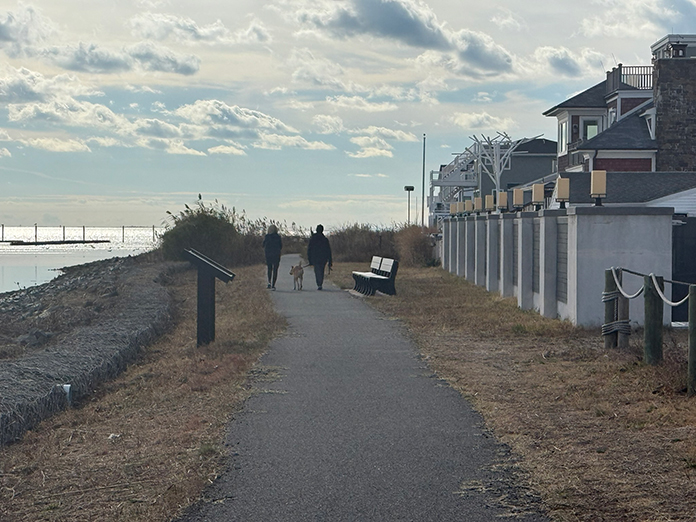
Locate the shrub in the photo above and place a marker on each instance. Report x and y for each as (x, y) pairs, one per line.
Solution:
(414, 247)
(223, 234)
(359, 242)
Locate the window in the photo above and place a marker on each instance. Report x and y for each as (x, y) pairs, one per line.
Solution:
(563, 137)
(590, 128)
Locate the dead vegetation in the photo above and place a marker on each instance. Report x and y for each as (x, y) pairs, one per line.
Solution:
(144, 445)
(602, 436)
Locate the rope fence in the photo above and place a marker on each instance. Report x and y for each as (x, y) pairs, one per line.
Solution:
(617, 326)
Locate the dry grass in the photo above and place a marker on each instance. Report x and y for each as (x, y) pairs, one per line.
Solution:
(146, 444)
(602, 436)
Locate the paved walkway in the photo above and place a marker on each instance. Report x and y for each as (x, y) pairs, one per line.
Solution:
(354, 427)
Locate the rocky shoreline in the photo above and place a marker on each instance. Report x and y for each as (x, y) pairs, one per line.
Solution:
(79, 329)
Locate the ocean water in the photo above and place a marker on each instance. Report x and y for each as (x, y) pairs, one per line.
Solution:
(22, 266)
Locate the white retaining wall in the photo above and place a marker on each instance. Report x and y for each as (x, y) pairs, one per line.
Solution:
(556, 276)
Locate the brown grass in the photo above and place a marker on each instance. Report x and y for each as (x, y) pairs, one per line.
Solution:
(602, 436)
(146, 444)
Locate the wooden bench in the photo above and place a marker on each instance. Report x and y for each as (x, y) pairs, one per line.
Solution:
(380, 277)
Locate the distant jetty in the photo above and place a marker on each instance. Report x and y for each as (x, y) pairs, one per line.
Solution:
(57, 242)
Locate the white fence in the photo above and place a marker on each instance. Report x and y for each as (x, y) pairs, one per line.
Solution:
(554, 260)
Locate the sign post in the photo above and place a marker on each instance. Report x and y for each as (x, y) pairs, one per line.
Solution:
(208, 271)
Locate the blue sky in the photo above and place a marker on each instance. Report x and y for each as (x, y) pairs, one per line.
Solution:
(112, 113)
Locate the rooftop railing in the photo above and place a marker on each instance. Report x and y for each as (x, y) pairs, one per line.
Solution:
(636, 76)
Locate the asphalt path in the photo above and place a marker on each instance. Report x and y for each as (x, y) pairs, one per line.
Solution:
(347, 423)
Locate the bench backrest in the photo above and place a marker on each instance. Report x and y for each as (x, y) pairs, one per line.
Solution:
(376, 262)
(386, 266)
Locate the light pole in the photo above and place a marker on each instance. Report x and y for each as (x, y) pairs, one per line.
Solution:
(409, 189)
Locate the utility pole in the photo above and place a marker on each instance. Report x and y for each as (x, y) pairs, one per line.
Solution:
(423, 190)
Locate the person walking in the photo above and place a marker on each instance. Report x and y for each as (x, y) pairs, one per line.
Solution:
(319, 254)
(272, 245)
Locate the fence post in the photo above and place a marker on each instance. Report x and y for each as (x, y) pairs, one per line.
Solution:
(623, 315)
(691, 378)
(610, 339)
(652, 337)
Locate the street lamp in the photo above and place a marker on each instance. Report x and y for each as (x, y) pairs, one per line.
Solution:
(409, 189)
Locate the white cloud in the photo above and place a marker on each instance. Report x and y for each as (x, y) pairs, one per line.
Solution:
(230, 121)
(562, 61)
(315, 71)
(57, 145)
(482, 97)
(481, 120)
(631, 19)
(507, 20)
(4, 153)
(23, 30)
(278, 141)
(387, 134)
(142, 88)
(360, 103)
(159, 26)
(328, 124)
(22, 85)
(371, 146)
(233, 150)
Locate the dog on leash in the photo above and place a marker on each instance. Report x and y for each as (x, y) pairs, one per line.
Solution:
(297, 272)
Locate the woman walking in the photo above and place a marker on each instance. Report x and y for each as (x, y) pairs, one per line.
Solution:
(272, 245)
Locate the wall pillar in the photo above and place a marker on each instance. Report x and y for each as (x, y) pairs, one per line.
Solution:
(548, 262)
(480, 255)
(505, 252)
(525, 253)
(492, 257)
(461, 247)
(470, 249)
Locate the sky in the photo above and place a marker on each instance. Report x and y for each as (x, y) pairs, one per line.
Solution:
(305, 111)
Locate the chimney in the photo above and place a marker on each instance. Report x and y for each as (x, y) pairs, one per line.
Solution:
(674, 92)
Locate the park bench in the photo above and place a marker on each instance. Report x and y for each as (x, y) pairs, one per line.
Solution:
(380, 277)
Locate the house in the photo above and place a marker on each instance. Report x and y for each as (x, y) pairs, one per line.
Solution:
(639, 119)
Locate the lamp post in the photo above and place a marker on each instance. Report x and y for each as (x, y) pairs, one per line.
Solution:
(409, 189)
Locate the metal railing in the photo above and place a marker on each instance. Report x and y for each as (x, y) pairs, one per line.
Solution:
(636, 76)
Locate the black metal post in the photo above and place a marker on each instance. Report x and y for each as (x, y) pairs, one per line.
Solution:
(206, 306)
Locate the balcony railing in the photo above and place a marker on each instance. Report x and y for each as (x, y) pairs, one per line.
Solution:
(637, 76)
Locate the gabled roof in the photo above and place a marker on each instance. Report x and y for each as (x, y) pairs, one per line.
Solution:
(538, 146)
(631, 187)
(629, 133)
(591, 98)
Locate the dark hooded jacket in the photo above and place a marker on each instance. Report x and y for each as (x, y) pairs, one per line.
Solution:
(319, 249)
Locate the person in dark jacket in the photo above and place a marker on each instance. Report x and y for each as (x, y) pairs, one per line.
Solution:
(272, 245)
(319, 254)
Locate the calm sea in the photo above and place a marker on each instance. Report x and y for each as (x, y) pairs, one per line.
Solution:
(28, 265)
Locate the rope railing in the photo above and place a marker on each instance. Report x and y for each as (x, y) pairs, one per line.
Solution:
(616, 327)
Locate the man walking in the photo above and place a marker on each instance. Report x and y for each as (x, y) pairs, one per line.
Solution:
(319, 254)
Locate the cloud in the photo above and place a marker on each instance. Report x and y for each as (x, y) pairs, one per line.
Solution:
(315, 71)
(562, 61)
(231, 120)
(413, 23)
(159, 26)
(142, 88)
(4, 153)
(482, 97)
(233, 150)
(371, 146)
(631, 19)
(22, 85)
(359, 103)
(387, 134)
(278, 141)
(146, 56)
(25, 29)
(57, 145)
(328, 124)
(481, 120)
(408, 21)
(509, 21)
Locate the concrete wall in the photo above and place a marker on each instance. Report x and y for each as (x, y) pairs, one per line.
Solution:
(640, 239)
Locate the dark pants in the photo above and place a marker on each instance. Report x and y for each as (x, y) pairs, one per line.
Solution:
(319, 273)
(272, 271)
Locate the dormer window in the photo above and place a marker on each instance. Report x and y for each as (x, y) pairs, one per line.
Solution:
(590, 128)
